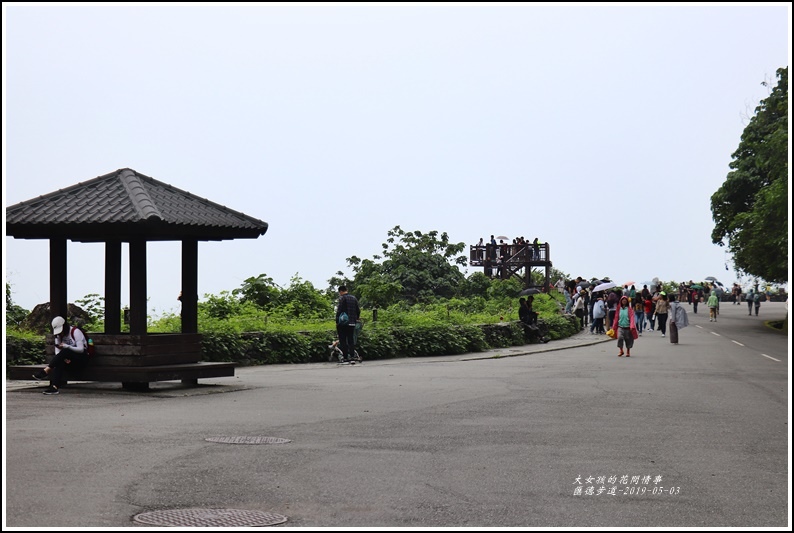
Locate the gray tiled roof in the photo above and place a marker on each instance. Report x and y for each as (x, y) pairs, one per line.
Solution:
(125, 205)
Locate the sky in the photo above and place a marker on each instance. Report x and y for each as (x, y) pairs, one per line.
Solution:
(600, 129)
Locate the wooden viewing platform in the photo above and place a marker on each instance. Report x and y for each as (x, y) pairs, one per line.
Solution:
(504, 261)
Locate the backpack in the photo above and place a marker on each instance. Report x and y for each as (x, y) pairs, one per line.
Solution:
(757, 298)
(89, 343)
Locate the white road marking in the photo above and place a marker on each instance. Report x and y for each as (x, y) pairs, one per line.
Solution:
(717, 334)
(772, 358)
(739, 343)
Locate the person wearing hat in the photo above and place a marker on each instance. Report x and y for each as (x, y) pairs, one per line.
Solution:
(70, 349)
(662, 310)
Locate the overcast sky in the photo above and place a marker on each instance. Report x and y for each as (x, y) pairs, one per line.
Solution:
(601, 129)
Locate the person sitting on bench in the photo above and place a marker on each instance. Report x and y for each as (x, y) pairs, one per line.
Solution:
(70, 349)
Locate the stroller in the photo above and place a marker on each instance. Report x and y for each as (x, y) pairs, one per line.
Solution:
(335, 353)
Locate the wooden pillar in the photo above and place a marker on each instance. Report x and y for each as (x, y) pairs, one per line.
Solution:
(138, 287)
(113, 287)
(58, 304)
(548, 267)
(189, 286)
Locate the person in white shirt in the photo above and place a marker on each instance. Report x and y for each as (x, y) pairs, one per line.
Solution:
(70, 349)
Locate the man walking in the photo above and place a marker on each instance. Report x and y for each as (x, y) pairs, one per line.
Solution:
(347, 313)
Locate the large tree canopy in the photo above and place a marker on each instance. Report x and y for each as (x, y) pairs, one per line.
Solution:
(751, 208)
(416, 267)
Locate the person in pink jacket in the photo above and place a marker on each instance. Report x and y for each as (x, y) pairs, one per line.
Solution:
(625, 326)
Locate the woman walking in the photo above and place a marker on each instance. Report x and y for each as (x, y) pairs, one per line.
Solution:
(678, 319)
(662, 310)
(612, 306)
(599, 312)
(625, 326)
(649, 310)
(639, 314)
(579, 308)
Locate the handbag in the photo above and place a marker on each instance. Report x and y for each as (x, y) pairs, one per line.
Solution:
(344, 320)
(611, 333)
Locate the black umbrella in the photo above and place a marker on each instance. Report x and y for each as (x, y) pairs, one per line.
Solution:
(528, 292)
(584, 284)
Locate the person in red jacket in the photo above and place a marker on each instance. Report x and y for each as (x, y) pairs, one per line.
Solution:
(625, 326)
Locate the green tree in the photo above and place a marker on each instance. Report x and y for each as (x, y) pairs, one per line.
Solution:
(223, 306)
(423, 265)
(94, 305)
(261, 291)
(302, 300)
(477, 284)
(14, 313)
(750, 209)
(377, 290)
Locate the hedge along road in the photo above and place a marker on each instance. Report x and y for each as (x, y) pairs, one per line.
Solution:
(689, 435)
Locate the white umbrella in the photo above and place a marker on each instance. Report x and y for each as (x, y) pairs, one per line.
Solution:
(604, 286)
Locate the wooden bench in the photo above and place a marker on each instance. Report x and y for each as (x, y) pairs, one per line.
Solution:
(137, 360)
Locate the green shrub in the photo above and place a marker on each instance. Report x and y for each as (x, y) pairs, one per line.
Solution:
(25, 349)
(561, 326)
(377, 343)
(419, 331)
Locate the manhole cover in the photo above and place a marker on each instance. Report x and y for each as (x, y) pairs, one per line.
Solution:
(209, 518)
(248, 440)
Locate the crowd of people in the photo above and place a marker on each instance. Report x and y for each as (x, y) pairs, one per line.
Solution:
(625, 312)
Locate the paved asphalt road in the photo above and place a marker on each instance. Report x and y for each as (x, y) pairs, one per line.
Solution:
(559, 435)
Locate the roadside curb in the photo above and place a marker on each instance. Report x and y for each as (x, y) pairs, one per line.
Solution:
(543, 348)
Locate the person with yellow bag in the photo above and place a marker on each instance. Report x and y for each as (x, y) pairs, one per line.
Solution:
(625, 326)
